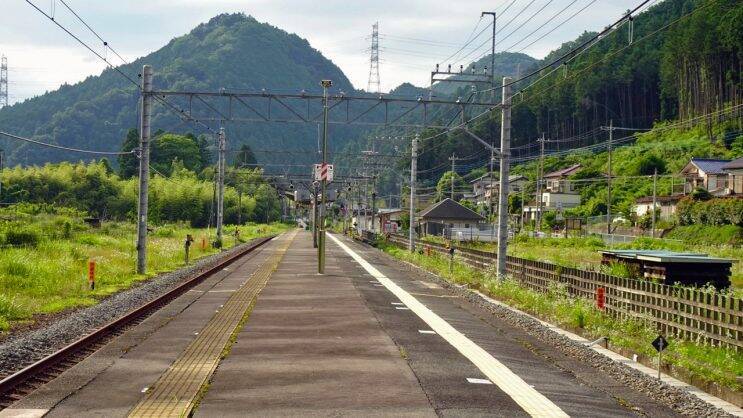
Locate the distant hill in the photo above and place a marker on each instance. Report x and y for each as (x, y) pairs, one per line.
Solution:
(230, 51)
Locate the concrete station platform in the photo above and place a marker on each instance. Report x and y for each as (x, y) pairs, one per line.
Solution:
(368, 338)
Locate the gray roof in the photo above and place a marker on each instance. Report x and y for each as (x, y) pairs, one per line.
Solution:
(663, 256)
(710, 165)
(564, 172)
(511, 178)
(734, 165)
(449, 209)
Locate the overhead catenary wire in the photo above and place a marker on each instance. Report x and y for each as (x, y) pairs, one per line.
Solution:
(498, 31)
(545, 24)
(116, 68)
(572, 51)
(105, 44)
(83, 151)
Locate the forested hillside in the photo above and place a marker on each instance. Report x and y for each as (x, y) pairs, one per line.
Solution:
(684, 61)
(230, 51)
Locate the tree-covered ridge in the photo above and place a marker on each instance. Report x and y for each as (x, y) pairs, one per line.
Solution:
(635, 85)
(230, 51)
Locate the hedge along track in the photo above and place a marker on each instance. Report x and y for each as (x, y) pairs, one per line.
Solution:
(177, 390)
(28, 379)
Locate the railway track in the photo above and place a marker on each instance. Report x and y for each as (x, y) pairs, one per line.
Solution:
(28, 379)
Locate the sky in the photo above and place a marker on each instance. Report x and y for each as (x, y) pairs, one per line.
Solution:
(414, 34)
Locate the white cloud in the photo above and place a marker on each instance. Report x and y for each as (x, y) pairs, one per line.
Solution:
(337, 28)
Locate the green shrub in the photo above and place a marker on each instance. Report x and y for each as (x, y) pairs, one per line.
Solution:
(708, 235)
(22, 237)
(164, 232)
(721, 211)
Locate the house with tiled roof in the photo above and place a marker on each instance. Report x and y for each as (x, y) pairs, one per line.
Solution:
(734, 169)
(447, 214)
(558, 193)
(485, 185)
(706, 173)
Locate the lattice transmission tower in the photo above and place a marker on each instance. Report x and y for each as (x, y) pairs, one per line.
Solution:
(3, 81)
(374, 84)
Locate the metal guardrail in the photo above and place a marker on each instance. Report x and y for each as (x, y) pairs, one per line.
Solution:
(686, 313)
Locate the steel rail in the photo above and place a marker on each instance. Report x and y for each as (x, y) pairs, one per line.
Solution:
(26, 380)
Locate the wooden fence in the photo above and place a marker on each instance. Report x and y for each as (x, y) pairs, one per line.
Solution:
(686, 313)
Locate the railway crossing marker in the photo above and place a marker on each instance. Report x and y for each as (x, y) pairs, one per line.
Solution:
(659, 344)
(324, 172)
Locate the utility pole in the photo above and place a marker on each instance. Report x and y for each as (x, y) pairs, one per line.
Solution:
(144, 168)
(505, 154)
(2, 156)
(655, 198)
(374, 202)
(326, 84)
(314, 214)
(240, 207)
(522, 209)
(4, 81)
(453, 158)
(492, 60)
(608, 179)
(540, 180)
(220, 185)
(413, 179)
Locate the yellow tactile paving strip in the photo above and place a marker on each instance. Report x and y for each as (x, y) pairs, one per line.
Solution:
(174, 393)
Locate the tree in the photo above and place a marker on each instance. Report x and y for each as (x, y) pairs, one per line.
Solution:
(648, 164)
(245, 157)
(168, 147)
(443, 187)
(204, 152)
(128, 163)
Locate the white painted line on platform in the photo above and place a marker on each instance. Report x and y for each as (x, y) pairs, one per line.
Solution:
(533, 402)
(23, 413)
(402, 308)
(426, 331)
(479, 381)
(397, 303)
(704, 396)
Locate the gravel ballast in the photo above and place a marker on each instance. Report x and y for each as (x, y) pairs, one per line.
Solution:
(24, 348)
(678, 399)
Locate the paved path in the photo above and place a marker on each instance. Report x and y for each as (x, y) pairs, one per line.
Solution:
(369, 338)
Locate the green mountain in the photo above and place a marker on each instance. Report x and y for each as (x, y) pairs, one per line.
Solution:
(231, 51)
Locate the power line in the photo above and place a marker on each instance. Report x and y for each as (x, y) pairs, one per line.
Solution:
(467, 43)
(524, 22)
(497, 32)
(570, 54)
(105, 44)
(547, 22)
(115, 68)
(84, 151)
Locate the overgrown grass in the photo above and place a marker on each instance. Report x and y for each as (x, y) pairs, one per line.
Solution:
(713, 364)
(48, 273)
(583, 252)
